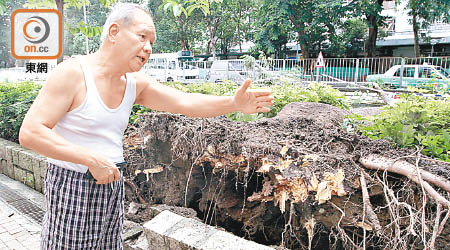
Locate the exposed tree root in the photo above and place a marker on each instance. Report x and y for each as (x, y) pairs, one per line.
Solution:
(368, 207)
(134, 188)
(293, 180)
(377, 162)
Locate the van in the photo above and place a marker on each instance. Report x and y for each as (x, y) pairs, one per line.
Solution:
(169, 67)
(232, 70)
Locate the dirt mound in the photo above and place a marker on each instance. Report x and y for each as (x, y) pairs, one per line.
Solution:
(295, 179)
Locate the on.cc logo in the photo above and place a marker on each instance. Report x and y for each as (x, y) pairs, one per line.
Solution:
(36, 34)
(36, 29)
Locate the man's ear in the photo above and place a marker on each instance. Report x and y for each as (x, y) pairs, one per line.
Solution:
(113, 31)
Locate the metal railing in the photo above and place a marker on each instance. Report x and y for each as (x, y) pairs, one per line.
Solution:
(337, 71)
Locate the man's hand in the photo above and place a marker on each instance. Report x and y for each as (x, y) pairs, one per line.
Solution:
(252, 101)
(103, 170)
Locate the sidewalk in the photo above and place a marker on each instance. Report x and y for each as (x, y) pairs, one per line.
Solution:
(21, 210)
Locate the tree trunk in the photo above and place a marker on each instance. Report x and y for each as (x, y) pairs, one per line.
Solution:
(301, 32)
(372, 40)
(60, 6)
(181, 31)
(373, 32)
(416, 33)
(239, 27)
(212, 42)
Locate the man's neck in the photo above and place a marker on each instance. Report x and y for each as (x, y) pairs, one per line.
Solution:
(106, 66)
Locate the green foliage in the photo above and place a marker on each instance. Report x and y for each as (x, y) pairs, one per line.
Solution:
(79, 44)
(89, 31)
(15, 100)
(415, 121)
(2, 6)
(354, 36)
(136, 114)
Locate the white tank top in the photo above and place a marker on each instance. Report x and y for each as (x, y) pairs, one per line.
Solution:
(95, 126)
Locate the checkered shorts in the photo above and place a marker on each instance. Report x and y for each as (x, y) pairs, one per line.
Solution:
(80, 213)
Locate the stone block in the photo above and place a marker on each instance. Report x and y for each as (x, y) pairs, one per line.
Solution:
(3, 167)
(225, 240)
(43, 186)
(43, 165)
(171, 231)
(25, 160)
(36, 174)
(189, 234)
(2, 151)
(8, 153)
(19, 174)
(10, 169)
(15, 156)
(155, 228)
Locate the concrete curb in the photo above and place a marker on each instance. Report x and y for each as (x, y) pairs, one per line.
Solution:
(171, 231)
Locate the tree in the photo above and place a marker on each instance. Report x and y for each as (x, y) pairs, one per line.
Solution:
(175, 32)
(424, 13)
(354, 36)
(313, 23)
(209, 8)
(236, 27)
(371, 10)
(177, 7)
(273, 27)
(79, 45)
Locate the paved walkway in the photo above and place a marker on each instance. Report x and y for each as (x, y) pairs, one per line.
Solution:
(18, 231)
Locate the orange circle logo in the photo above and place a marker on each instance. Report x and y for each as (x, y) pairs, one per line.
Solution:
(36, 29)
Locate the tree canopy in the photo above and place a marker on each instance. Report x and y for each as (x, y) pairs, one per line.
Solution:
(337, 28)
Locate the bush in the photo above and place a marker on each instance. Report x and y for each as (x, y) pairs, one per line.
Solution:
(415, 121)
(15, 100)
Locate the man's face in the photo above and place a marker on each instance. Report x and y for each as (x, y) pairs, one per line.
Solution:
(135, 41)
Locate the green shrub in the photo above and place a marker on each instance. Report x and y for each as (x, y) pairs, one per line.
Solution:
(15, 100)
(415, 121)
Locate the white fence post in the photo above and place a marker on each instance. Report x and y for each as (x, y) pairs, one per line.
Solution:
(356, 71)
(402, 68)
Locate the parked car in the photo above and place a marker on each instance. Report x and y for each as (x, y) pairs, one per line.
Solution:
(232, 70)
(414, 76)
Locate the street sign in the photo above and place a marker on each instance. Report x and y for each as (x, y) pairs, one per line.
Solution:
(320, 63)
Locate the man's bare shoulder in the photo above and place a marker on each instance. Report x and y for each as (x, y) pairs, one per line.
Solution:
(143, 80)
(67, 73)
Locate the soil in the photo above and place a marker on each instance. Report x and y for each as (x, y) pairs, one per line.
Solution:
(292, 180)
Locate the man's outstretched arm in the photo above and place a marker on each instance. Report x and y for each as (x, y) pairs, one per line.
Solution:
(163, 98)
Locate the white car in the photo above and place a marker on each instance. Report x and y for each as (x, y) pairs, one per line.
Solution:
(414, 75)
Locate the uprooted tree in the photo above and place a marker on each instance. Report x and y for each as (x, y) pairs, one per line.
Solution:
(297, 180)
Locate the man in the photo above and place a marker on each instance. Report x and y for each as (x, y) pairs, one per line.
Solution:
(78, 120)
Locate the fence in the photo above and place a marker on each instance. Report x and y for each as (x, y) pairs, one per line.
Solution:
(337, 71)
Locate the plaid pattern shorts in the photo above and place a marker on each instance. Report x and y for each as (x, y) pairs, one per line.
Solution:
(80, 213)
